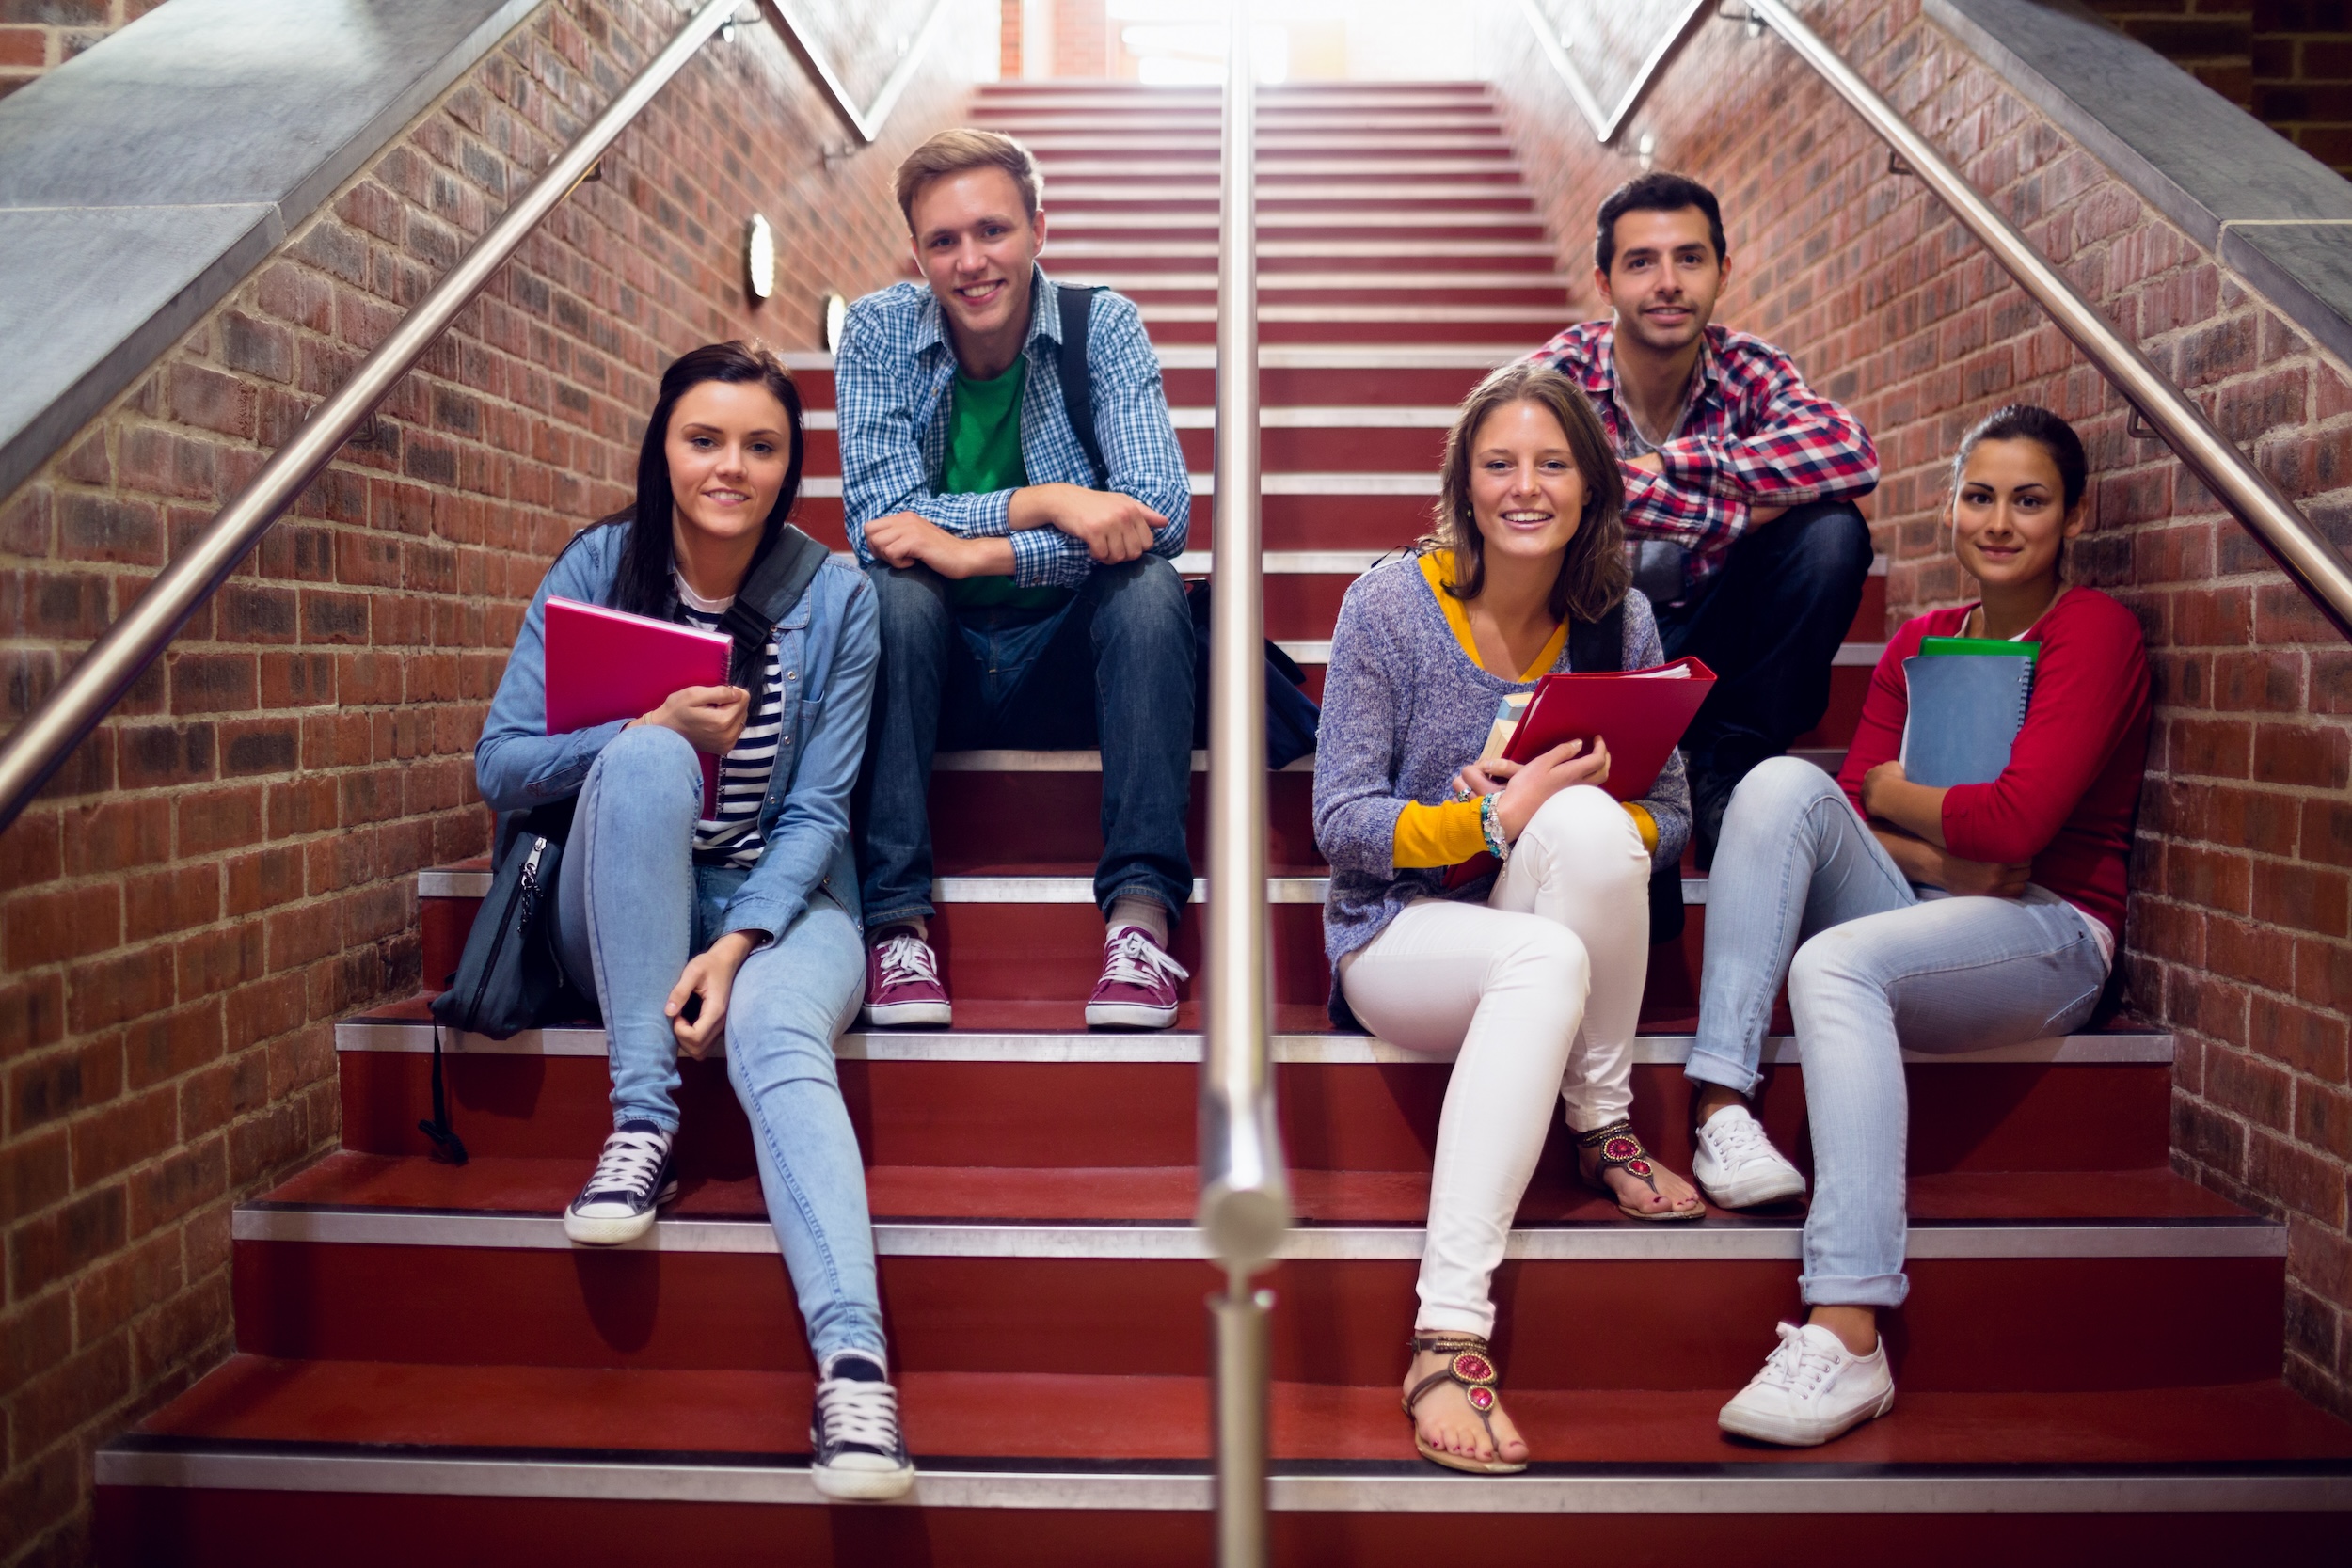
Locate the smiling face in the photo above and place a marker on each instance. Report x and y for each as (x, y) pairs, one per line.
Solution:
(2009, 516)
(1665, 277)
(1527, 495)
(977, 244)
(729, 448)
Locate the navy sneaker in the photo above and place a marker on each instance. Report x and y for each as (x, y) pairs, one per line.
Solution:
(859, 1454)
(635, 1178)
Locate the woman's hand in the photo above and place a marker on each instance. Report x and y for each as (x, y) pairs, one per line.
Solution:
(1932, 865)
(1527, 785)
(711, 717)
(1916, 809)
(710, 975)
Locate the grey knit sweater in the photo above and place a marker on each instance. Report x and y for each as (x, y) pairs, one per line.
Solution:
(1403, 710)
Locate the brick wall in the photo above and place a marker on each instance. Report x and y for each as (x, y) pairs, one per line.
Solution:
(2288, 61)
(2237, 937)
(225, 867)
(38, 35)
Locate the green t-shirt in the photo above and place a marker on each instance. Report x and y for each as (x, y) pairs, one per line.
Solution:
(984, 456)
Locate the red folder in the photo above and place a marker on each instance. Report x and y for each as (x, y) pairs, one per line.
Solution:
(605, 664)
(1640, 714)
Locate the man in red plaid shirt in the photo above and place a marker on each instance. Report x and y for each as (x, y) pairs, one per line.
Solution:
(1740, 484)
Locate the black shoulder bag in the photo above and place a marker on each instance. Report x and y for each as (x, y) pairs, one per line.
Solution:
(1292, 717)
(1597, 645)
(510, 977)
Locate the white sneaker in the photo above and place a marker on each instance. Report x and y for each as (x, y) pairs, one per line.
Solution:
(634, 1177)
(1812, 1388)
(1737, 1163)
(858, 1453)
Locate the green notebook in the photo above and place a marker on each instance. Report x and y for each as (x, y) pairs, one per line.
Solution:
(1930, 647)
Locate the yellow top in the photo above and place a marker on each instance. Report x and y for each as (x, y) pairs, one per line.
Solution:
(1447, 833)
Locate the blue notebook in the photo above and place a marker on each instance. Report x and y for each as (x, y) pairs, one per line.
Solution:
(1965, 713)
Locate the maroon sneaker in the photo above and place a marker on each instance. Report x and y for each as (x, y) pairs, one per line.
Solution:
(902, 981)
(1138, 989)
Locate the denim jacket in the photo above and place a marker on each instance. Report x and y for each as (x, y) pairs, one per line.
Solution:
(830, 644)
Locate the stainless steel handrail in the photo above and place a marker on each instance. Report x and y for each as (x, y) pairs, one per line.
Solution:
(1245, 1193)
(37, 747)
(1606, 120)
(2314, 565)
(867, 122)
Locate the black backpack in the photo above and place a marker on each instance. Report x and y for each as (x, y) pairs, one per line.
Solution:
(510, 977)
(1292, 717)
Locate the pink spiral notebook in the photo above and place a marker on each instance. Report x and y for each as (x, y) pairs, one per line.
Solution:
(607, 664)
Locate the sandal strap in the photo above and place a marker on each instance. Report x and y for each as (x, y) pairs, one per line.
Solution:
(1617, 1145)
(1469, 1367)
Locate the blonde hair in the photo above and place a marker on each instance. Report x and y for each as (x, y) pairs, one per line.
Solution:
(965, 148)
(1593, 575)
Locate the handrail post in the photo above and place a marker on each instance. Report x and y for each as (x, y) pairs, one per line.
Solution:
(1245, 1200)
(2307, 557)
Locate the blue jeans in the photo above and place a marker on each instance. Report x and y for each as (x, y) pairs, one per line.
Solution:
(631, 908)
(1769, 624)
(1885, 967)
(1111, 668)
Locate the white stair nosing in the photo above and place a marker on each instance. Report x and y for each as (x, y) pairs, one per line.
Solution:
(1772, 1488)
(1716, 1239)
(992, 761)
(1128, 282)
(413, 1037)
(1291, 356)
(1538, 316)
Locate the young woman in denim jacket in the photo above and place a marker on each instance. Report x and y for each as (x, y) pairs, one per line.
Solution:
(743, 924)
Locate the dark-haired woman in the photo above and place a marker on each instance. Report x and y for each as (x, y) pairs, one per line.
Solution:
(1912, 918)
(742, 922)
(1533, 973)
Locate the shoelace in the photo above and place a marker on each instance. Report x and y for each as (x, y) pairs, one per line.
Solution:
(1798, 1363)
(1740, 1139)
(907, 959)
(849, 1411)
(1135, 959)
(630, 1163)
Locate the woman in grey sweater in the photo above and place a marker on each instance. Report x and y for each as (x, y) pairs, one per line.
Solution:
(1532, 971)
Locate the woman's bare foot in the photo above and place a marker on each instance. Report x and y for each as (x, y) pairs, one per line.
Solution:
(1672, 1193)
(1447, 1422)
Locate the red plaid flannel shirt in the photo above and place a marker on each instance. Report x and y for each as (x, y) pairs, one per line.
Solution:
(1754, 435)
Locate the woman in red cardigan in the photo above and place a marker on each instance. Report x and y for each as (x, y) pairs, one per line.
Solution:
(1906, 917)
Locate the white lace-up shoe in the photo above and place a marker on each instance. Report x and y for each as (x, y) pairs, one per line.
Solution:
(1812, 1388)
(858, 1454)
(634, 1178)
(1737, 1163)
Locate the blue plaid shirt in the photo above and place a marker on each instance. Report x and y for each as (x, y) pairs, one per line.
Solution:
(891, 381)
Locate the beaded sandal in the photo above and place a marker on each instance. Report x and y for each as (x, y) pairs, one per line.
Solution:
(1616, 1146)
(1475, 1372)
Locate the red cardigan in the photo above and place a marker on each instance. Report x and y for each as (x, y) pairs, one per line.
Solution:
(2066, 800)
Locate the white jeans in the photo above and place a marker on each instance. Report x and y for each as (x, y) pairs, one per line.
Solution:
(1540, 990)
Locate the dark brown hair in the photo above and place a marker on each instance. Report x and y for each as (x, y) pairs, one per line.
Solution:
(1592, 576)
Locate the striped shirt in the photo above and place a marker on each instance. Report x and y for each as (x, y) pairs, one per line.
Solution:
(891, 384)
(743, 772)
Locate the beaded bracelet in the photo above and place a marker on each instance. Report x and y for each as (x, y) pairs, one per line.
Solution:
(1490, 826)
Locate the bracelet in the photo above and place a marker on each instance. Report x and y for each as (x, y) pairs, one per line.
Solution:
(1490, 826)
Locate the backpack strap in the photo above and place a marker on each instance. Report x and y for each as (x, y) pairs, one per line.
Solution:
(1077, 380)
(1598, 645)
(776, 581)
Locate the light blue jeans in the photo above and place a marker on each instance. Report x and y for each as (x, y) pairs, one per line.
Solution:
(1884, 967)
(631, 906)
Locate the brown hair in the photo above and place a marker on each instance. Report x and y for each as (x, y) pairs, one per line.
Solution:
(1593, 575)
(965, 148)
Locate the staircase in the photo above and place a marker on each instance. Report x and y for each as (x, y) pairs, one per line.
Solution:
(2089, 1362)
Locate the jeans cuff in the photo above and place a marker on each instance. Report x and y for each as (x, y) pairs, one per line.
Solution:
(666, 1117)
(1868, 1290)
(1707, 1066)
(906, 915)
(1142, 888)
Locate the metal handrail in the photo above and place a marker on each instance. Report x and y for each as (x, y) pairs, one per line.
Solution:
(1245, 1192)
(2313, 564)
(37, 747)
(867, 122)
(1605, 120)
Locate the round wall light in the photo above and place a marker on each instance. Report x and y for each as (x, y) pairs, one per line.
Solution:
(759, 257)
(837, 317)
